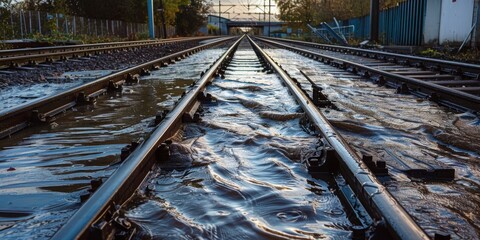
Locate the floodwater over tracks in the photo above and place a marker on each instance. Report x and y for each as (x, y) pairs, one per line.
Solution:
(408, 133)
(236, 174)
(44, 170)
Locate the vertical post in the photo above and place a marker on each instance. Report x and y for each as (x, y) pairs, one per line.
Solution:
(30, 21)
(39, 23)
(151, 26)
(66, 24)
(74, 26)
(21, 23)
(374, 14)
(269, 13)
(219, 17)
(56, 22)
(162, 14)
(11, 24)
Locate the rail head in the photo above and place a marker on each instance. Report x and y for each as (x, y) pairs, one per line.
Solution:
(26, 51)
(125, 180)
(375, 197)
(466, 67)
(8, 57)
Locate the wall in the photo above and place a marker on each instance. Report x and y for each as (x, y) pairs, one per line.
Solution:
(432, 22)
(213, 20)
(400, 25)
(417, 22)
(476, 18)
(456, 20)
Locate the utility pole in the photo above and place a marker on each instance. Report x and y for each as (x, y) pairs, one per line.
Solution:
(374, 15)
(269, 13)
(264, 10)
(151, 26)
(162, 16)
(219, 17)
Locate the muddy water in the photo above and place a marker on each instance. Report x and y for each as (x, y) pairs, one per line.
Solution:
(44, 170)
(236, 174)
(408, 133)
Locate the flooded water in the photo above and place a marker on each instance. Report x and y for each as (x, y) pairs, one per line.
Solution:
(22, 94)
(408, 133)
(44, 170)
(237, 173)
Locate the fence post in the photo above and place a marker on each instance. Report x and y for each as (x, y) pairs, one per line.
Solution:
(66, 23)
(74, 27)
(11, 24)
(21, 24)
(39, 23)
(374, 14)
(56, 20)
(30, 21)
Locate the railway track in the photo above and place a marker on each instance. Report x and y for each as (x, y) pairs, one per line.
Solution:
(102, 215)
(30, 57)
(106, 210)
(45, 110)
(452, 84)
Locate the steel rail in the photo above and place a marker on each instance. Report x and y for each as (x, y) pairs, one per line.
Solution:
(28, 51)
(119, 187)
(444, 95)
(19, 117)
(374, 196)
(19, 56)
(464, 67)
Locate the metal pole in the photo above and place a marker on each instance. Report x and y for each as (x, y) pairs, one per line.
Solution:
(39, 23)
(151, 26)
(269, 13)
(374, 15)
(219, 16)
(264, 9)
(30, 21)
(74, 26)
(21, 23)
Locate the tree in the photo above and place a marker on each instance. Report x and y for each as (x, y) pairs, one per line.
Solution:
(191, 17)
(301, 12)
(5, 26)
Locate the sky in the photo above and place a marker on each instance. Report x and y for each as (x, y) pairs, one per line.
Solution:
(244, 9)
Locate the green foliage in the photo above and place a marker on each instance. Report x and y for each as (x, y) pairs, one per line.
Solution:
(470, 55)
(5, 26)
(431, 53)
(190, 17)
(188, 14)
(301, 12)
(212, 29)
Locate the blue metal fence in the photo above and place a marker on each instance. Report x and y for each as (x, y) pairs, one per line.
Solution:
(400, 25)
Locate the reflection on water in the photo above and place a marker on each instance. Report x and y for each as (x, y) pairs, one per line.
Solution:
(45, 169)
(237, 173)
(407, 133)
(15, 95)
